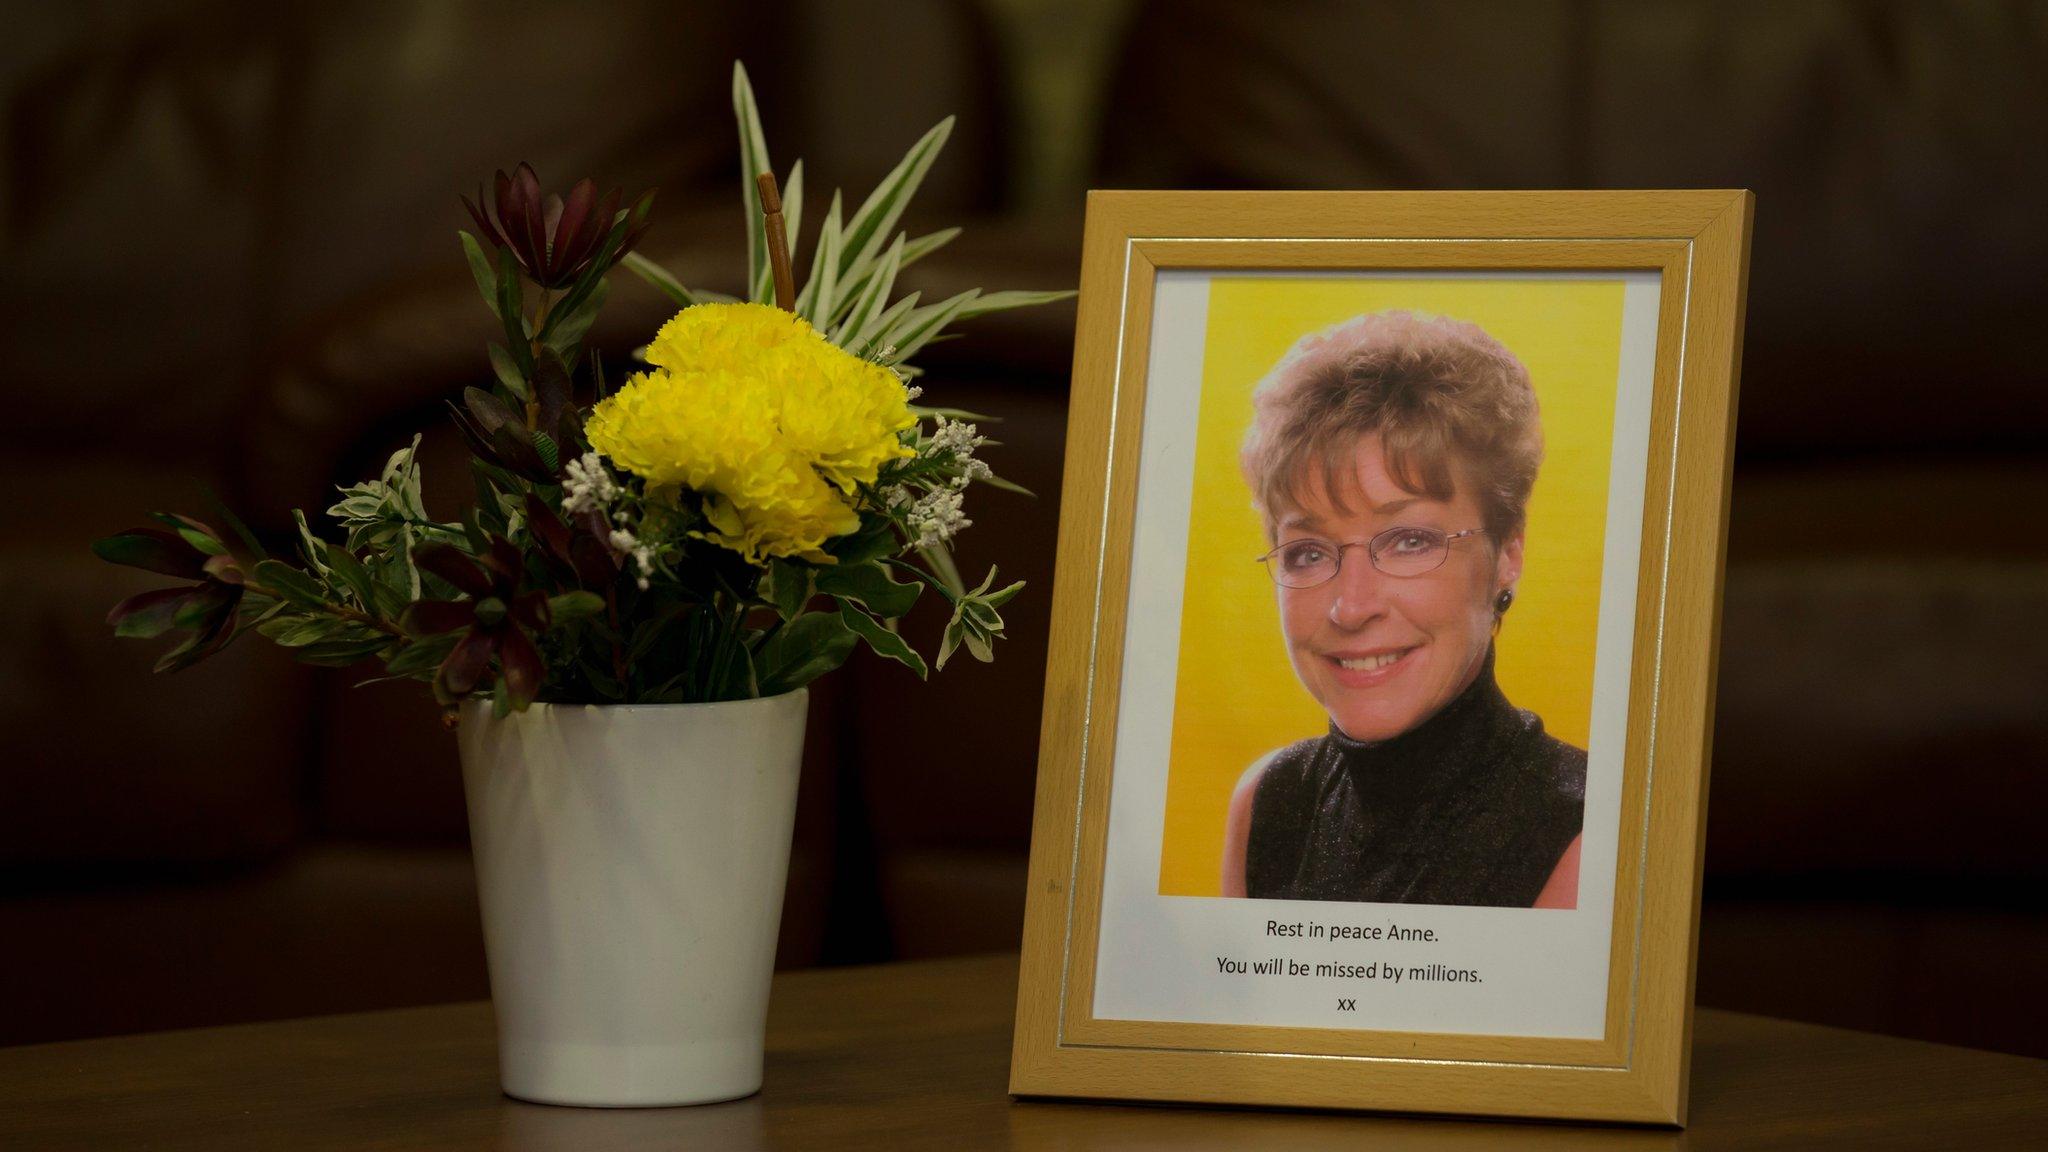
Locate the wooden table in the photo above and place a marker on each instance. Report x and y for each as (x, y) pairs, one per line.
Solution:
(912, 1056)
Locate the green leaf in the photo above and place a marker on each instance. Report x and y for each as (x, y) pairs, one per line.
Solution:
(151, 553)
(803, 650)
(999, 598)
(311, 547)
(662, 281)
(1003, 301)
(868, 343)
(995, 481)
(872, 298)
(340, 653)
(290, 584)
(753, 162)
(787, 586)
(875, 540)
(570, 606)
(792, 194)
(206, 543)
(149, 614)
(566, 335)
(421, 658)
(924, 413)
(955, 631)
(299, 631)
(591, 280)
(979, 611)
(917, 329)
(507, 372)
(550, 454)
(927, 244)
(978, 646)
(404, 574)
(480, 268)
(884, 206)
(941, 559)
(881, 639)
(870, 586)
(511, 311)
(472, 522)
(344, 564)
(740, 680)
(820, 295)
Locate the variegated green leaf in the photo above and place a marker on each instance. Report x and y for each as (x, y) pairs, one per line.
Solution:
(880, 638)
(507, 372)
(869, 342)
(753, 162)
(873, 297)
(918, 328)
(662, 281)
(481, 268)
(821, 289)
(1003, 301)
(923, 246)
(869, 228)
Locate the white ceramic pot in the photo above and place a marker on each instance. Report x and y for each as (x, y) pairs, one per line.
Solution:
(630, 862)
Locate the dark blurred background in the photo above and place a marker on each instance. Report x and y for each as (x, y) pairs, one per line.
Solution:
(230, 263)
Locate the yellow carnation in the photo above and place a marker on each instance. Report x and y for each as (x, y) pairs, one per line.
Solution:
(754, 409)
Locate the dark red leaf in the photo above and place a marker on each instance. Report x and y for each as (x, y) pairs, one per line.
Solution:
(503, 560)
(521, 665)
(470, 432)
(549, 529)
(178, 519)
(580, 230)
(467, 664)
(148, 614)
(214, 631)
(451, 564)
(153, 550)
(427, 617)
(530, 610)
(490, 412)
(528, 225)
(552, 391)
(513, 447)
(224, 569)
(487, 229)
(595, 567)
(637, 221)
(204, 603)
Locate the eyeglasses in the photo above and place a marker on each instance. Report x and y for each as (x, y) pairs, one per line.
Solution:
(1396, 552)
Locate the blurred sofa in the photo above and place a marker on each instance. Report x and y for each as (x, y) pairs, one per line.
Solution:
(230, 262)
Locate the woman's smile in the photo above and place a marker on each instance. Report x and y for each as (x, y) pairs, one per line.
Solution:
(1384, 652)
(1369, 669)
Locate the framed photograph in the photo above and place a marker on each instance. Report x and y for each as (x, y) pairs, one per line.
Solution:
(1374, 755)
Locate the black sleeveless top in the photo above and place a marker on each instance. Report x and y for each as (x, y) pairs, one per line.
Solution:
(1473, 806)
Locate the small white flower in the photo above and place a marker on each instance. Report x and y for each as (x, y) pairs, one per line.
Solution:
(970, 471)
(936, 517)
(626, 544)
(586, 486)
(956, 437)
(912, 391)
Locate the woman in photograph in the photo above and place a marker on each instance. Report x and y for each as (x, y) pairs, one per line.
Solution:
(1391, 460)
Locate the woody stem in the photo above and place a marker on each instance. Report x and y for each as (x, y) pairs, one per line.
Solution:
(778, 242)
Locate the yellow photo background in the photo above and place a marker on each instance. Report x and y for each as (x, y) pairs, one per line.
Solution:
(1236, 697)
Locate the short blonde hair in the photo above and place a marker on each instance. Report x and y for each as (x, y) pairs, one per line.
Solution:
(1436, 391)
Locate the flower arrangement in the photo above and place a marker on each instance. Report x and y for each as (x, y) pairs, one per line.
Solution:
(728, 522)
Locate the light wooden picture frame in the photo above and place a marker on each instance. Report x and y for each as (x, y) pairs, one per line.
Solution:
(1110, 1002)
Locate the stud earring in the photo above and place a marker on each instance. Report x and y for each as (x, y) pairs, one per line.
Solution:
(1501, 602)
